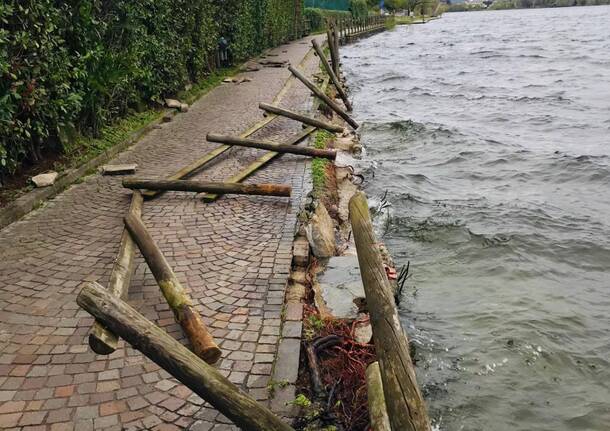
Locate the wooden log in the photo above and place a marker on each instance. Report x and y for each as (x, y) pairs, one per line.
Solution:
(300, 117)
(177, 360)
(101, 340)
(257, 164)
(268, 157)
(207, 187)
(376, 400)
(336, 47)
(198, 164)
(176, 296)
(331, 46)
(332, 75)
(405, 404)
(272, 146)
(320, 94)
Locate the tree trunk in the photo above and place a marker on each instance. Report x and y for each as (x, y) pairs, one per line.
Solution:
(176, 296)
(173, 357)
(405, 405)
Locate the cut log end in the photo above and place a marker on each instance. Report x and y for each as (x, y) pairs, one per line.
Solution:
(102, 341)
(202, 343)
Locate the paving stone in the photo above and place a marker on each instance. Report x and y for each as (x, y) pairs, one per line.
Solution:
(292, 329)
(294, 311)
(286, 366)
(9, 420)
(281, 402)
(201, 426)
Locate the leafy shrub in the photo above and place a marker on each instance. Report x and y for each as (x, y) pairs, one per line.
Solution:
(78, 65)
(359, 8)
(317, 17)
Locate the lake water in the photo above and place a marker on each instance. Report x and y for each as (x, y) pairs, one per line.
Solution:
(490, 133)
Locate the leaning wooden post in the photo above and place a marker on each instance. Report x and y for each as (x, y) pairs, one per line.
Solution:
(177, 298)
(331, 46)
(332, 75)
(180, 362)
(101, 340)
(272, 146)
(405, 404)
(376, 400)
(300, 117)
(207, 187)
(320, 94)
(336, 47)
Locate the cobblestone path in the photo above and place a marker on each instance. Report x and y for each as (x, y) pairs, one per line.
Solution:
(234, 255)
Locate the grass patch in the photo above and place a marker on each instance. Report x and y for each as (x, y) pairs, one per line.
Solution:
(318, 165)
(205, 85)
(83, 149)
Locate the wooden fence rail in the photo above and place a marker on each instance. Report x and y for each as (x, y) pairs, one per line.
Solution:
(349, 29)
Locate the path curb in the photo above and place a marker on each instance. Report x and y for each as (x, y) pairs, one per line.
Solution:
(32, 200)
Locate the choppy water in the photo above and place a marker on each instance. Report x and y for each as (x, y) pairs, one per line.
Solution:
(490, 132)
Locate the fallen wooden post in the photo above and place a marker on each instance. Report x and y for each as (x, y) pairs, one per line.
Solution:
(207, 187)
(101, 340)
(320, 94)
(334, 54)
(332, 74)
(268, 157)
(271, 146)
(176, 296)
(405, 404)
(177, 360)
(302, 118)
(376, 400)
(258, 163)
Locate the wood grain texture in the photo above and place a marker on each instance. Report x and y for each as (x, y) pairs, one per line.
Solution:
(376, 400)
(101, 340)
(300, 117)
(405, 404)
(176, 296)
(331, 73)
(272, 146)
(209, 187)
(180, 362)
(320, 94)
(258, 164)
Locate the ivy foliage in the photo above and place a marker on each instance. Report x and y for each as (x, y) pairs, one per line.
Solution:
(73, 66)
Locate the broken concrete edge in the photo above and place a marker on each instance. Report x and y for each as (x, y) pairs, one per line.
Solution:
(350, 145)
(37, 197)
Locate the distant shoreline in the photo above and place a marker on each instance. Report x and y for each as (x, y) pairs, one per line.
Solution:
(522, 4)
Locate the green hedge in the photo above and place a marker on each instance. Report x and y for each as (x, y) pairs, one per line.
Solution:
(76, 65)
(317, 17)
(359, 8)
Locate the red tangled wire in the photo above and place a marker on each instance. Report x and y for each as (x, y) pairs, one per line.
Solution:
(343, 370)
